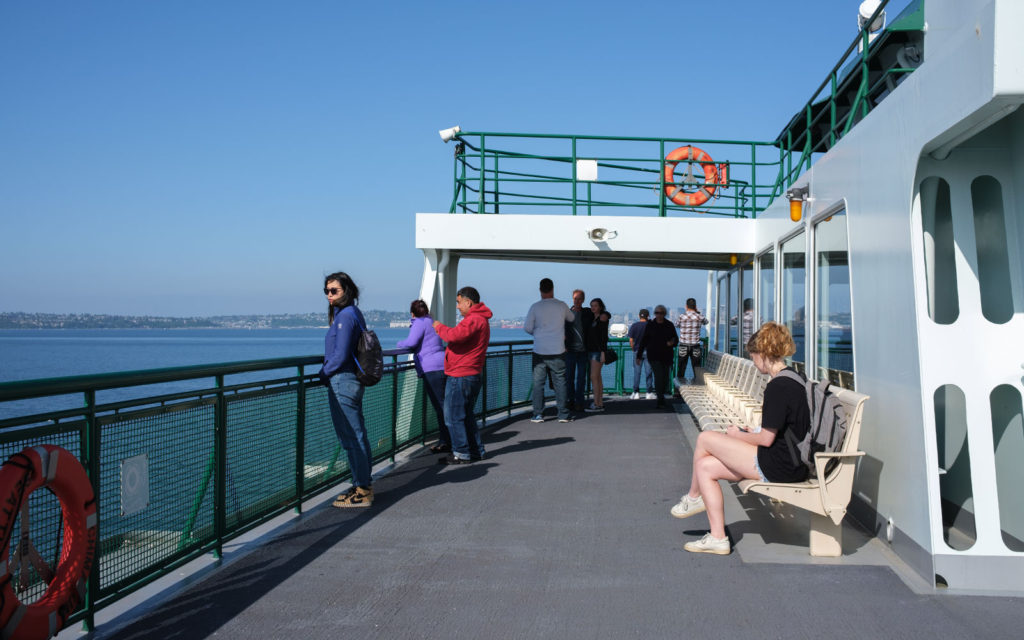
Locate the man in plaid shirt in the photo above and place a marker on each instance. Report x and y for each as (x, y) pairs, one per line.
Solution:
(689, 324)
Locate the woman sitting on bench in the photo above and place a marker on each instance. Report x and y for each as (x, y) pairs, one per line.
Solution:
(740, 454)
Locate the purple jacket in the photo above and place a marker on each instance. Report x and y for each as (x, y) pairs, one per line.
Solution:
(429, 350)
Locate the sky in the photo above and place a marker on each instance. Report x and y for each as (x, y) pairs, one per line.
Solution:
(196, 158)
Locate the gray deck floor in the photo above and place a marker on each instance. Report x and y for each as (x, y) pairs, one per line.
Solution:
(563, 532)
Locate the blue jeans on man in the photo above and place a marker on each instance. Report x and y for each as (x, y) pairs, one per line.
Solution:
(460, 396)
(542, 366)
(345, 399)
(638, 367)
(577, 368)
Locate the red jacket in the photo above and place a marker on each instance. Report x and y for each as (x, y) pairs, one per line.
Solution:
(467, 342)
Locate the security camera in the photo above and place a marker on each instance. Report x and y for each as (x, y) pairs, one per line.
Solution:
(864, 13)
(449, 134)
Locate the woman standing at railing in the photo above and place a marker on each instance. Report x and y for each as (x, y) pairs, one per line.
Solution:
(740, 454)
(429, 359)
(596, 340)
(344, 391)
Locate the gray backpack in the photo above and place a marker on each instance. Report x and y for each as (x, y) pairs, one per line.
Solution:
(828, 423)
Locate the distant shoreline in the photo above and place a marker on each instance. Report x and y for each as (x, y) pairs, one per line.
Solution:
(28, 321)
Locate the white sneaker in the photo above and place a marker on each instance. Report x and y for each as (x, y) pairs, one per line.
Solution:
(688, 506)
(709, 544)
(593, 408)
(651, 396)
(635, 396)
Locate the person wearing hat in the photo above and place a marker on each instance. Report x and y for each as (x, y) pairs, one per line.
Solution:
(658, 342)
(636, 333)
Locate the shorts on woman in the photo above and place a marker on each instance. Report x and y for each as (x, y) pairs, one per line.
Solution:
(595, 355)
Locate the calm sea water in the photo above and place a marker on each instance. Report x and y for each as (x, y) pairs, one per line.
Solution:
(51, 353)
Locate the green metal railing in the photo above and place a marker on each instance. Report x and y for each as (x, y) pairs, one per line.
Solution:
(517, 173)
(541, 173)
(219, 459)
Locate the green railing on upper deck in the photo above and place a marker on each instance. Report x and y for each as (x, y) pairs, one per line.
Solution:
(531, 173)
(218, 459)
(543, 173)
(868, 71)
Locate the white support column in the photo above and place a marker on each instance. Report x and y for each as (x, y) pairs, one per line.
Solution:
(448, 269)
(429, 289)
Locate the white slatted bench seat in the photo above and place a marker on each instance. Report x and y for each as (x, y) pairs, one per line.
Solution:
(826, 500)
(731, 395)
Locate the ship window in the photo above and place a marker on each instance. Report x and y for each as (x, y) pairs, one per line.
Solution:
(793, 309)
(766, 287)
(955, 488)
(747, 307)
(990, 232)
(722, 315)
(734, 296)
(939, 251)
(834, 334)
(1008, 441)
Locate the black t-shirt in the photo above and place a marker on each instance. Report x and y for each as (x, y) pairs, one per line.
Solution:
(655, 340)
(784, 408)
(596, 334)
(636, 333)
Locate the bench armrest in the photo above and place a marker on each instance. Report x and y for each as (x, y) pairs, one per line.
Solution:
(835, 509)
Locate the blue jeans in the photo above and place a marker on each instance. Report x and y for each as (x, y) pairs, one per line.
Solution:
(434, 384)
(345, 398)
(577, 368)
(459, 401)
(643, 364)
(541, 366)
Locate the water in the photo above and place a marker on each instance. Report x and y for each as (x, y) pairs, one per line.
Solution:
(51, 353)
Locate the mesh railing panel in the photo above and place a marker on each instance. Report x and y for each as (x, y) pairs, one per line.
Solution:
(323, 459)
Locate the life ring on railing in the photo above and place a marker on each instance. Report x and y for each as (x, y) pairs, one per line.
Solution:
(56, 469)
(675, 192)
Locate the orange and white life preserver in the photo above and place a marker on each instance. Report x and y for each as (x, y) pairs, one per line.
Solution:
(675, 192)
(56, 469)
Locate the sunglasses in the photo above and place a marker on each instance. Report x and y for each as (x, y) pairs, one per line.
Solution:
(333, 291)
(659, 313)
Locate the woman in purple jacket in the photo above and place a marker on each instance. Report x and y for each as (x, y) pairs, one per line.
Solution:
(429, 358)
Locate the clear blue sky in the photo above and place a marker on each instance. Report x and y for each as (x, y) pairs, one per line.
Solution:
(219, 157)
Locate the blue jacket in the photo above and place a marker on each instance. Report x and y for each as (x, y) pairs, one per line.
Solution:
(423, 340)
(340, 343)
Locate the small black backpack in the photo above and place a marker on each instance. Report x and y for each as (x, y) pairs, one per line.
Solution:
(828, 423)
(369, 357)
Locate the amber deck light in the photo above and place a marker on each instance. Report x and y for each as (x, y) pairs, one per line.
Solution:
(796, 197)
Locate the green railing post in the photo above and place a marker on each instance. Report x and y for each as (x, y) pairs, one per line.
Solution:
(753, 180)
(91, 451)
(482, 170)
(511, 372)
(423, 410)
(661, 179)
(220, 446)
(394, 405)
(483, 385)
(497, 185)
(300, 440)
(574, 175)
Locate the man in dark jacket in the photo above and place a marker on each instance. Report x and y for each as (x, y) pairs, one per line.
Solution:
(659, 341)
(576, 365)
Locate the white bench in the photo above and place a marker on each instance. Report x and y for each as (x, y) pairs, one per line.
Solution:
(826, 499)
(732, 394)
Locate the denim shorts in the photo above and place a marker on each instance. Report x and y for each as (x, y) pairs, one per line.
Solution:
(595, 355)
(758, 467)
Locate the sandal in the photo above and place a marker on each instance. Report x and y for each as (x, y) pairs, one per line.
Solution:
(440, 447)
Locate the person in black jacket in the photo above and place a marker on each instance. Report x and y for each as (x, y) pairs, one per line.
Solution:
(596, 339)
(659, 341)
(576, 360)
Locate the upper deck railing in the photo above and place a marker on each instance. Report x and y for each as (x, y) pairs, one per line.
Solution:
(609, 175)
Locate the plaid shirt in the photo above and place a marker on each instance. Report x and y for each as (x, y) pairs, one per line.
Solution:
(689, 324)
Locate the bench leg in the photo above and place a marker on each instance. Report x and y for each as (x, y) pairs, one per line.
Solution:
(826, 537)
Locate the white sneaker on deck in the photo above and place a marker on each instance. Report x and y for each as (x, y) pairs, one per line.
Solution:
(635, 396)
(651, 396)
(710, 544)
(688, 506)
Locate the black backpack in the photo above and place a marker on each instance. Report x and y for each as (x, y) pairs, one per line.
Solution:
(828, 423)
(369, 357)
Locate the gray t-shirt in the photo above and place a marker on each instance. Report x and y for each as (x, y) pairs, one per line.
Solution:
(545, 321)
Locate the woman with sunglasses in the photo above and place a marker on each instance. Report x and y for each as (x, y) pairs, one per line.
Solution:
(596, 340)
(344, 391)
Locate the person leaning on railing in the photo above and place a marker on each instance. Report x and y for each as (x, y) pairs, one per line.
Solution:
(595, 336)
(428, 356)
(344, 391)
(739, 454)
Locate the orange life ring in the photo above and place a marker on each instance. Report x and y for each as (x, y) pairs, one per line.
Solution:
(675, 192)
(56, 469)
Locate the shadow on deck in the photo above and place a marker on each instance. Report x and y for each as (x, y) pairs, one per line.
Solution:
(563, 531)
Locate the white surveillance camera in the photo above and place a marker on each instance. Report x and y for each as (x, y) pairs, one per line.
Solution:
(447, 135)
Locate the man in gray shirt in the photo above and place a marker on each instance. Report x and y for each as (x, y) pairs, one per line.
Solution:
(545, 321)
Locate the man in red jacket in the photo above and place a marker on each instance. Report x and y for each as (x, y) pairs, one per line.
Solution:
(463, 363)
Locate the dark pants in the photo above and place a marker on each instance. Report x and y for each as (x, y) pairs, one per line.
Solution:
(577, 368)
(459, 403)
(660, 370)
(434, 384)
(691, 352)
(543, 366)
